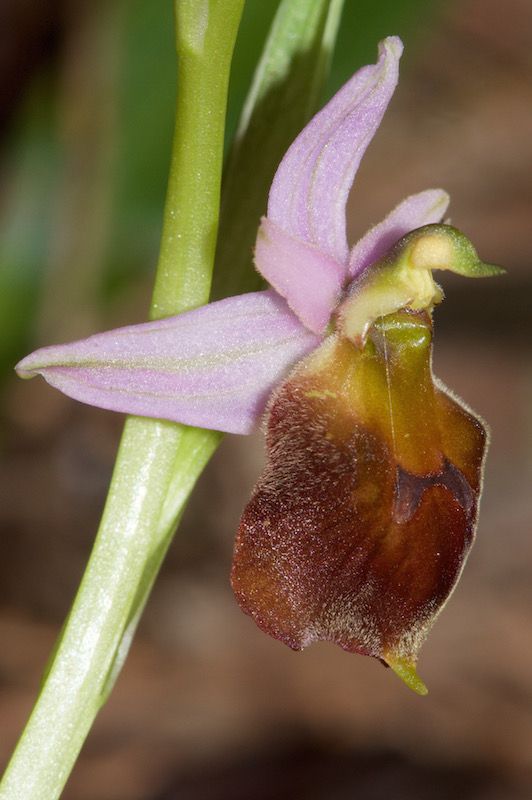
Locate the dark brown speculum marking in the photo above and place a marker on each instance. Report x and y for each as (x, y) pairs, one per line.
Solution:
(358, 529)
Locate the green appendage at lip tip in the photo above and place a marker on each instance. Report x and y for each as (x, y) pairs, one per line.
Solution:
(406, 670)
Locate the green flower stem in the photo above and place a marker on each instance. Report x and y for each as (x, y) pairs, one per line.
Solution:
(206, 33)
(136, 524)
(159, 462)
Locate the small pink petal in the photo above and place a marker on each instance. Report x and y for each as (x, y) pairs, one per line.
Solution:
(310, 189)
(417, 210)
(310, 281)
(214, 367)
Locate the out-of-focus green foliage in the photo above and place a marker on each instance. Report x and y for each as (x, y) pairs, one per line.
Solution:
(146, 107)
(33, 162)
(28, 168)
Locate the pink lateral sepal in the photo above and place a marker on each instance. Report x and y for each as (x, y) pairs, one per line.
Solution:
(213, 367)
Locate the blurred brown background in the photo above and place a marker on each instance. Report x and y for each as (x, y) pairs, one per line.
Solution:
(208, 707)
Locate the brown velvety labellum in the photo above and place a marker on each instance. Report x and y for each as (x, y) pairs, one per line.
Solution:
(358, 528)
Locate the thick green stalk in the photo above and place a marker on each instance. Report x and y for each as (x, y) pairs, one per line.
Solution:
(159, 462)
(205, 39)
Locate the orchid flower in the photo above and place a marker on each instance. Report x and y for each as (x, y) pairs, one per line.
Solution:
(359, 527)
